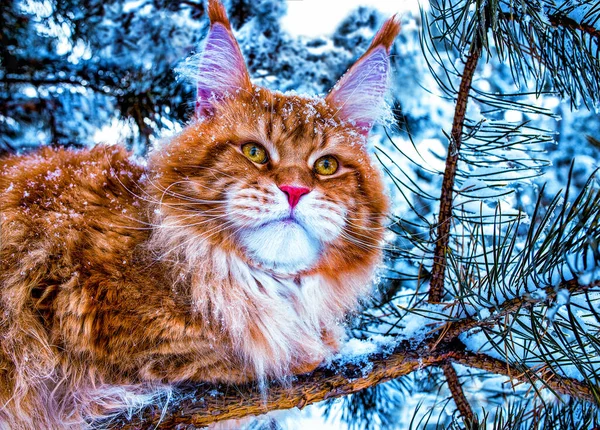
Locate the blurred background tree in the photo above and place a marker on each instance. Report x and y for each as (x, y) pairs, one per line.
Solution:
(498, 270)
(76, 72)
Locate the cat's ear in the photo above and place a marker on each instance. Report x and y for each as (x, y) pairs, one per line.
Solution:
(359, 96)
(221, 69)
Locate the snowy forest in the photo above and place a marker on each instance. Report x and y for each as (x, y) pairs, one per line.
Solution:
(486, 312)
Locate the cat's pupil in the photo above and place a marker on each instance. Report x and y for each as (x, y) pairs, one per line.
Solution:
(254, 151)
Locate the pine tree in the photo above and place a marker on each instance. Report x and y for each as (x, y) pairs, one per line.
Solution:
(502, 286)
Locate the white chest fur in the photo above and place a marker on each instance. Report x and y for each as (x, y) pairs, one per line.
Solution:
(273, 321)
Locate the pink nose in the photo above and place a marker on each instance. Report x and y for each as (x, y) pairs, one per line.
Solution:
(294, 193)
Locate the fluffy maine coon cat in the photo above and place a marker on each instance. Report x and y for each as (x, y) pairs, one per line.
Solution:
(233, 256)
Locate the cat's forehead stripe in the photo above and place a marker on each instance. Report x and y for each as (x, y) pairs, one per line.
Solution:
(294, 118)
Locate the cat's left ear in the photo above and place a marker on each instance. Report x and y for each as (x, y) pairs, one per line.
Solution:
(359, 96)
(221, 70)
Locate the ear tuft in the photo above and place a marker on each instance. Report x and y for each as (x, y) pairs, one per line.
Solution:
(359, 95)
(217, 13)
(221, 67)
(386, 34)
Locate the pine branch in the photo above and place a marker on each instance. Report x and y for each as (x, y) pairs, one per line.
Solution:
(436, 289)
(452, 330)
(558, 20)
(542, 41)
(459, 396)
(202, 406)
(564, 21)
(324, 383)
(560, 385)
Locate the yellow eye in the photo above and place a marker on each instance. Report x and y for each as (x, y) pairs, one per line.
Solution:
(326, 165)
(255, 152)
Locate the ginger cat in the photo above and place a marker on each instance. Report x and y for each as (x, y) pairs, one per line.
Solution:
(233, 256)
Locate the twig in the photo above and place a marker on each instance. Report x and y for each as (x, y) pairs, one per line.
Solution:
(557, 20)
(564, 21)
(558, 384)
(510, 307)
(462, 404)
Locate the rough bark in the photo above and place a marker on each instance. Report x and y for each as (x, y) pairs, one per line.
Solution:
(204, 404)
(324, 383)
(462, 404)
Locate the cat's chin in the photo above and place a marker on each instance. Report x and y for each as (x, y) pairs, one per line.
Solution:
(284, 247)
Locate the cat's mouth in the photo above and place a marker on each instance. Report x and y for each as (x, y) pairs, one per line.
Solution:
(288, 220)
(284, 245)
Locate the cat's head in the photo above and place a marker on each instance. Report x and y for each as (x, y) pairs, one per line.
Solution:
(283, 181)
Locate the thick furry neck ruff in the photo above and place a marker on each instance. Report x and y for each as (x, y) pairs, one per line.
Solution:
(271, 320)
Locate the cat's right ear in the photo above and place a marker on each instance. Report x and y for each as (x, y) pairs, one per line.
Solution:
(221, 70)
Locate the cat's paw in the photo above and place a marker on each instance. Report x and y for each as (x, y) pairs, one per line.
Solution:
(305, 367)
(332, 338)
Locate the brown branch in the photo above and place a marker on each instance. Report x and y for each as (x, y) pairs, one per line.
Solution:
(558, 384)
(557, 20)
(462, 404)
(436, 289)
(324, 383)
(452, 330)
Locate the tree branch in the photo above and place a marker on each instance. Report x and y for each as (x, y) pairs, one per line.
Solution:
(557, 20)
(458, 395)
(436, 289)
(201, 406)
(558, 384)
(452, 330)
(324, 383)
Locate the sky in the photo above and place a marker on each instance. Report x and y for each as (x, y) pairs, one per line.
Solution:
(321, 17)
